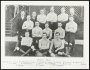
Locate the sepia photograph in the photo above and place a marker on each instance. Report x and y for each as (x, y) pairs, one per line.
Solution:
(44, 34)
(50, 31)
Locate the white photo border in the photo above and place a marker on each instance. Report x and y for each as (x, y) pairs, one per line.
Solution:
(19, 62)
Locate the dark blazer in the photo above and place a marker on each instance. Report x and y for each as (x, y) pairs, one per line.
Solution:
(19, 24)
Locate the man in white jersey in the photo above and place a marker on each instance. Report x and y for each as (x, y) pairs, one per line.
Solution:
(44, 44)
(42, 19)
(60, 30)
(48, 31)
(63, 17)
(52, 19)
(57, 45)
(28, 25)
(26, 45)
(71, 28)
(36, 34)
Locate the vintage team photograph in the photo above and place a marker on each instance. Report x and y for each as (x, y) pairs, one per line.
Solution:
(44, 31)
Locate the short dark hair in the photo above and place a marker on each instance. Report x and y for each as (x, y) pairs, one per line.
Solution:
(71, 17)
(36, 22)
(57, 33)
(45, 33)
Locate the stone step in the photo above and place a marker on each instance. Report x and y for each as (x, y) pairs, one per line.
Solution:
(8, 34)
(8, 31)
(8, 25)
(8, 28)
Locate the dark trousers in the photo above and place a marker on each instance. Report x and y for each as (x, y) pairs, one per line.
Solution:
(45, 52)
(25, 48)
(19, 38)
(61, 50)
(36, 42)
(53, 25)
(70, 38)
(42, 25)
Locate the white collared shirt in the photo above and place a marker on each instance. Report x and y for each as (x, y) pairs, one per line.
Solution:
(41, 18)
(63, 17)
(37, 32)
(49, 32)
(26, 41)
(52, 17)
(71, 27)
(61, 31)
(27, 25)
(44, 44)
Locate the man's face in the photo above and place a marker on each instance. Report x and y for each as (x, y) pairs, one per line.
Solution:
(72, 11)
(46, 25)
(28, 17)
(27, 34)
(22, 14)
(57, 36)
(59, 24)
(37, 24)
(52, 9)
(41, 11)
(62, 10)
(44, 36)
(34, 14)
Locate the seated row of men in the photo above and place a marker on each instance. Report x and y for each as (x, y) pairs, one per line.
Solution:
(59, 34)
(45, 46)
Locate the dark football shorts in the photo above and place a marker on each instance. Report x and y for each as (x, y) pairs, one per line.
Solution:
(24, 48)
(61, 50)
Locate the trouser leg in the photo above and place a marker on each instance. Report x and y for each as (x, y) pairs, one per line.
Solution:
(42, 25)
(73, 43)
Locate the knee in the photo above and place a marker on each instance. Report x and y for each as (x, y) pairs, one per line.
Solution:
(39, 54)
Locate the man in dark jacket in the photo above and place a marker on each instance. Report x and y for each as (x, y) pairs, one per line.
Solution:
(20, 22)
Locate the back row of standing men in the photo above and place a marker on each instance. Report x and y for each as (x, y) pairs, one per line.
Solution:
(51, 24)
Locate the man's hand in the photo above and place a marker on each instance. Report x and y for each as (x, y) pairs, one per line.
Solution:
(70, 43)
(33, 48)
(21, 36)
(52, 54)
(17, 32)
(56, 50)
(66, 42)
(50, 51)
(16, 48)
